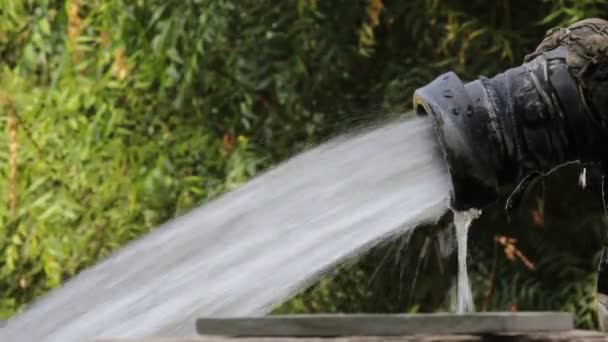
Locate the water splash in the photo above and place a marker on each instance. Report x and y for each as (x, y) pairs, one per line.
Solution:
(255, 247)
(464, 296)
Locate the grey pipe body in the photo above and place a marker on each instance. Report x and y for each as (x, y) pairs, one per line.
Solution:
(499, 133)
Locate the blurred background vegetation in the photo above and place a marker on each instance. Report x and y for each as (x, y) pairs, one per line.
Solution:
(118, 115)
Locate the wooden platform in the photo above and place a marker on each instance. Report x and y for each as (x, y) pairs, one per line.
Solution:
(385, 324)
(501, 326)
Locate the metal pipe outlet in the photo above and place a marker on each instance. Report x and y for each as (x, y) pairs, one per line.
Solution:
(500, 133)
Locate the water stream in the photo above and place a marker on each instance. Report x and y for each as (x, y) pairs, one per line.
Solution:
(462, 222)
(255, 247)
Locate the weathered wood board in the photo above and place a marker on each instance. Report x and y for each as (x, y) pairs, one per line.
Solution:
(385, 324)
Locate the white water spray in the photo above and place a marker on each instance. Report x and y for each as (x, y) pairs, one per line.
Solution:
(255, 247)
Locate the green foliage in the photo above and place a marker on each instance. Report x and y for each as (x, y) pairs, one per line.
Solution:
(563, 244)
(129, 112)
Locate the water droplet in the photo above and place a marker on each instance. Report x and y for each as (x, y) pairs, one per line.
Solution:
(469, 111)
(448, 93)
(455, 111)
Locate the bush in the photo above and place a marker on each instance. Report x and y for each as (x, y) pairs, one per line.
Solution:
(121, 114)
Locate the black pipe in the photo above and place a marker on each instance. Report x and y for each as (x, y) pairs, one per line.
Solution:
(500, 133)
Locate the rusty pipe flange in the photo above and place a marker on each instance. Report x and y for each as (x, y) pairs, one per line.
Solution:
(502, 132)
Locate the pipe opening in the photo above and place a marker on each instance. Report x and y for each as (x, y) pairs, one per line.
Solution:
(420, 111)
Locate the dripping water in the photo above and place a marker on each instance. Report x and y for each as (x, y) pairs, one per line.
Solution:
(464, 296)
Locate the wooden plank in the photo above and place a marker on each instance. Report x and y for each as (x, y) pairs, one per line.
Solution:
(385, 324)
